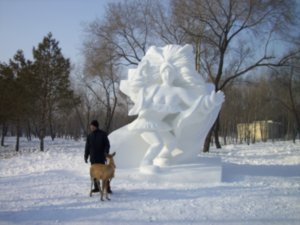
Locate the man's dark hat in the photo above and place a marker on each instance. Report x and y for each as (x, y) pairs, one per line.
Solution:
(95, 123)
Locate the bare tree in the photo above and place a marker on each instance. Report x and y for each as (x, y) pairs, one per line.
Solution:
(126, 29)
(100, 65)
(286, 90)
(120, 39)
(236, 37)
(164, 25)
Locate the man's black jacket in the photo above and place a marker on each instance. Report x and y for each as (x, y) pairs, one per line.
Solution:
(97, 144)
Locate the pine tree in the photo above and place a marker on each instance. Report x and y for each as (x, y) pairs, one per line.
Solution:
(6, 87)
(22, 92)
(53, 90)
(16, 94)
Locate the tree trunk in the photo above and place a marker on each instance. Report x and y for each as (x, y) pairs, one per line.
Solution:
(207, 141)
(42, 125)
(197, 54)
(17, 142)
(42, 144)
(42, 136)
(294, 134)
(110, 115)
(80, 119)
(107, 118)
(216, 128)
(28, 131)
(18, 136)
(225, 132)
(2, 138)
(52, 133)
(88, 120)
(4, 132)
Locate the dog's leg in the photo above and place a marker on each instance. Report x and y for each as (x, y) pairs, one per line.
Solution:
(109, 191)
(102, 189)
(92, 182)
(106, 190)
(98, 185)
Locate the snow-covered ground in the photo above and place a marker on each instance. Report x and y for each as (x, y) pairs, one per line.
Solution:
(239, 184)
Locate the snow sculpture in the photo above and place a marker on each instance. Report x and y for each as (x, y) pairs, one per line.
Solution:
(175, 109)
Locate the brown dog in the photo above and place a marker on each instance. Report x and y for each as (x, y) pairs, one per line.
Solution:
(104, 173)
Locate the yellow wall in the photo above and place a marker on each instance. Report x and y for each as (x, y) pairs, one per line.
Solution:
(258, 130)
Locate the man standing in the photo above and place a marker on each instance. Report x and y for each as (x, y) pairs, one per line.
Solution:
(96, 147)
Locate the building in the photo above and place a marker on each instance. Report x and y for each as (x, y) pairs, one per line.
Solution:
(259, 131)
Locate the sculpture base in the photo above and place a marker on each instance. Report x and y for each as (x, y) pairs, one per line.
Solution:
(162, 162)
(206, 170)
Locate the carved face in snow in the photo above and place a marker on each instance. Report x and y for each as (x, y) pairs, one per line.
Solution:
(167, 74)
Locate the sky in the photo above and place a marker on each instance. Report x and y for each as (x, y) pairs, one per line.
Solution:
(24, 23)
